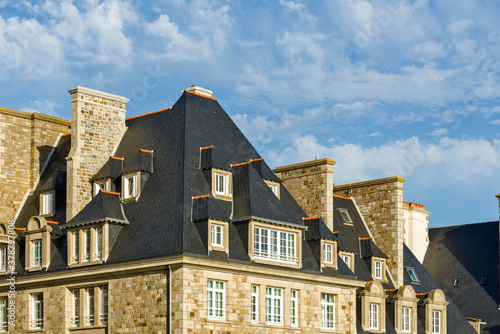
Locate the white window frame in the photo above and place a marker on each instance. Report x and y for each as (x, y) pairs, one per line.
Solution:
(294, 308)
(346, 259)
(373, 314)
(327, 253)
(37, 311)
(36, 253)
(254, 304)
(217, 235)
(274, 306)
(328, 311)
(89, 306)
(377, 270)
(87, 244)
(221, 189)
(3, 258)
(406, 319)
(75, 258)
(98, 243)
(126, 186)
(47, 203)
(103, 314)
(216, 300)
(346, 218)
(4, 321)
(75, 318)
(275, 188)
(275, 245)
(100, 185)
(412, 274)
(436, 322)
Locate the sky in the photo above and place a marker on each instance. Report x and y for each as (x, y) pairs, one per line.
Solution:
(384, 88)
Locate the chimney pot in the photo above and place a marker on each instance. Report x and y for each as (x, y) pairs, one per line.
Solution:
(200, 90)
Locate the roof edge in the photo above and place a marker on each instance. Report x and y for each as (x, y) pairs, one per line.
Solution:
(312, 163)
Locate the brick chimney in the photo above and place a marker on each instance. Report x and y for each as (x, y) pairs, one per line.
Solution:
(381, 204)
(311, 185)
(97, 125)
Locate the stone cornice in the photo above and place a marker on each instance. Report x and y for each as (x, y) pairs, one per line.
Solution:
(376, 182)
(97, 93)
(306, 164)
(35, 115)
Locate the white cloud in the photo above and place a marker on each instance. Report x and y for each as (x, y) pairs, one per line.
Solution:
(428, 50)
(302, 47)
(453, 160)
(43, 107)
(461, 26)
(495, 122)
(204, 37)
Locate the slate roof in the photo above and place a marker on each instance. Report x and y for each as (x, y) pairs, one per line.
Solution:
(468, 252)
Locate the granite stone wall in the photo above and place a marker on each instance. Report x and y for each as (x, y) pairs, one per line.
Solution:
(26, 140)
(311, 185)
(381, 204)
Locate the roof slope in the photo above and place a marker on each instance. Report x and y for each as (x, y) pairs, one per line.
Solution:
(468, 252)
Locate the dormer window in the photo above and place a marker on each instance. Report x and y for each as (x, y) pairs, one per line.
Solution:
(4, 246)
(412, 274)
(131, 186)
(274, 186)
(47, 203)
(218, 236)
(37, 244)
(276, 245)
(101, 185)
(435, 312)
(345, 216)
(88, 246)
(329, 253)
(3, 258)
(348, 259)
(378, 268)
(221, 184)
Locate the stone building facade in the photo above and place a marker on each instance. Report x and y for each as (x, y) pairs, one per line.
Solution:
(26, 140)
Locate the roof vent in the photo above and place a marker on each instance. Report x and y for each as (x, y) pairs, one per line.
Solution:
(199, 90)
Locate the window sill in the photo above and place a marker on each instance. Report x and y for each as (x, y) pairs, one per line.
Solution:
(130, 199)
(87, 328)
(223, 197)
(36, 330)
(277, 263)
(45, 215)
(85, 264)
(32, 270)
(218, 320)
(218, 249)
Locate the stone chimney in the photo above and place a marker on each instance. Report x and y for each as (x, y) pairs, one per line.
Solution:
(200, 91)
(416, 229)
(97, 126)
(311, 185)
(381, 204)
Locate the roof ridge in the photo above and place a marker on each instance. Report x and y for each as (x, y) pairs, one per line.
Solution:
(147, 114)
(468, 224)
(205, 96)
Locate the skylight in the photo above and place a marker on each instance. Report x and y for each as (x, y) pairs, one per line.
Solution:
(345, 216)
(457, 282)
(412, 274)
(484, 280)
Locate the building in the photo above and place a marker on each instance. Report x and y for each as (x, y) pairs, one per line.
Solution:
(172, 222)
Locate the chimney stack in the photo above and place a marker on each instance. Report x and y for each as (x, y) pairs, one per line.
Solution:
(97, 125)
(311, 185)
(200, 91)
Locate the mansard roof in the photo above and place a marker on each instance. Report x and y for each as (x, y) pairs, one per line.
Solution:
(468, 252)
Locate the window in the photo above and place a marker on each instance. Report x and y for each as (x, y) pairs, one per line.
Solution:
(47, 203)
(216, 299)
(413, 275)
(255, 304)
(101, 185)
(130, 186)
(327, 253)
(274, 306)
(275, 188)
(103, 314)
(377, 271)
(90, 300)
(3, 258)
(373, 316)
(76, 247)
(347, 260)
(327, 311)
(36, 249)
(86, 245)
(217, 233)
(98, 243)
(345, 216)
(274, 245)
(75, 319)
(294, 307)
(405, 320)
(456, 282)
(89, 307)
(484, 280)
(436, 322)
(37, 311)
(221, 184)
(4, 324)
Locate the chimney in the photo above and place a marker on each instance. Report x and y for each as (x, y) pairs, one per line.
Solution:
(200, 91)
(311, 185)
(416, 229)
(97, 125)
(381, 204)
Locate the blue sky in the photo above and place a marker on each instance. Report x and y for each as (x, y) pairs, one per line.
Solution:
(384, 88)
